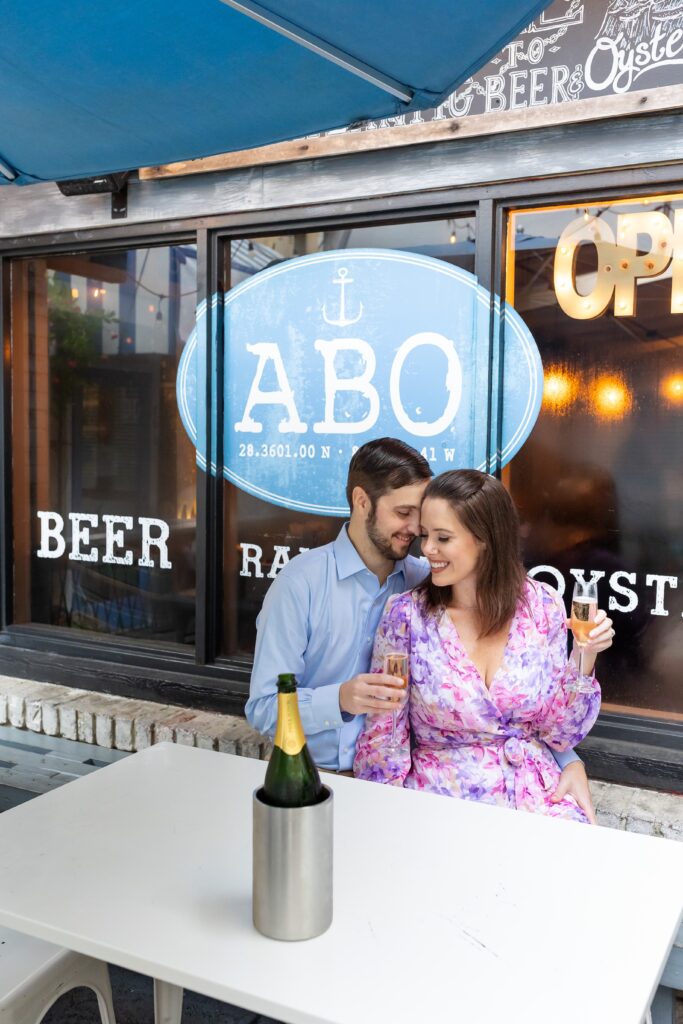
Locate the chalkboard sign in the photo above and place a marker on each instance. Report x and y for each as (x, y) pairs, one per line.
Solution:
(573, 51)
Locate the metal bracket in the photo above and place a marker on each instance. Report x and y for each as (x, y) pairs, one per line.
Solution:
(119, 203)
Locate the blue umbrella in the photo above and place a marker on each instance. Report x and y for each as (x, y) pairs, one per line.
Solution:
(89, 88)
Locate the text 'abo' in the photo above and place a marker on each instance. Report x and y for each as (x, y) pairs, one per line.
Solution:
(269, 356)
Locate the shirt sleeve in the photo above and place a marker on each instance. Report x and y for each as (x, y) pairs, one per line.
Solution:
(565, 757)
(567, 716)
(281, 641)
(377, 758)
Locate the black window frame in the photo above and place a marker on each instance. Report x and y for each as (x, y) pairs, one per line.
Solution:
(622, 747)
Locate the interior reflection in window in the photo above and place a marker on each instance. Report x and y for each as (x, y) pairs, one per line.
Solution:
(104, 475)
(599, 482)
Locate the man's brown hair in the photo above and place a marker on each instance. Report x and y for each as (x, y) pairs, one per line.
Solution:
(384, 465)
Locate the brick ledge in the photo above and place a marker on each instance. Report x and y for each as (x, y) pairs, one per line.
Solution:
(120, 723)
(130, 725)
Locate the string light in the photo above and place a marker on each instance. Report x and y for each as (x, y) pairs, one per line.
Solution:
(560, 388)
(611, 398)
(672, 389)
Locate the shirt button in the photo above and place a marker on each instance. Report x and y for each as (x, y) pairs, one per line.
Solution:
(326, 722)
(345, 750)
(368, 639)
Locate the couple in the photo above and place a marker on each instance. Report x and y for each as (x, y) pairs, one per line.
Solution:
(320, 617)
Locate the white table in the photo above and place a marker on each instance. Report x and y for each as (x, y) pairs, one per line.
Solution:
(444, 910)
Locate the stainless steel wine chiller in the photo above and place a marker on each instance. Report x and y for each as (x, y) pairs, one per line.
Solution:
(292, 869)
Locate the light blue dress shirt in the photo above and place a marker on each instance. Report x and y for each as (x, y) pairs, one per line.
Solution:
(318, 621)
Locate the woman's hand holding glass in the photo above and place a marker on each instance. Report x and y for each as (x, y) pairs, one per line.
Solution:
(593, 631)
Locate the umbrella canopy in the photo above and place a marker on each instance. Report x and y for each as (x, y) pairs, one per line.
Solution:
(88, 89)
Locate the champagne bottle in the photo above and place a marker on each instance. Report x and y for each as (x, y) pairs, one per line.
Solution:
(292, 779)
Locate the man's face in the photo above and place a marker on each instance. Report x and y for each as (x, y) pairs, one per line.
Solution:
(394, 522)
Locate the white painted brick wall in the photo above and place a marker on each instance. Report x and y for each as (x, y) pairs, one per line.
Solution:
(129, 725)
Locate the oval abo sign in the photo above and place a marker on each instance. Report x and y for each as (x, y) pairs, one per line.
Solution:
(323, 353)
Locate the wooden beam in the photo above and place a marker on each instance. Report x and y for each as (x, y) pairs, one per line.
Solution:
(355, 141)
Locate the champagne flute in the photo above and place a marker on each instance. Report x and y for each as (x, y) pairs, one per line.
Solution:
(584, 610)
(396, 664)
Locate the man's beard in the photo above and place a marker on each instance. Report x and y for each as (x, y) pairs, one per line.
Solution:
(381, 542)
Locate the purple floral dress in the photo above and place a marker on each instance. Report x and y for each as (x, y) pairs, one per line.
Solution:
(468, 741)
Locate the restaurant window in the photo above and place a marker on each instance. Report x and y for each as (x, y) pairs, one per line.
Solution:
(259, 537)
(599, 482)
(103, 477)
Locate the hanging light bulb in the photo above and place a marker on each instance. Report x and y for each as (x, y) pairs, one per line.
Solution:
(610, 397)
(454, 237)
(672, 389)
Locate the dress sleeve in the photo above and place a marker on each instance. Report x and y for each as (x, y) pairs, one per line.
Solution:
(377, 759)
(567, 716)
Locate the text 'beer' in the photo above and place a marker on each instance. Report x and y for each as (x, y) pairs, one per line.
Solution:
(292, 778)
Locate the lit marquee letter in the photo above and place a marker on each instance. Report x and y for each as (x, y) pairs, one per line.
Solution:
(677, 265)
(619, 264)
(599, 234)
(266, 350)
(629, 265)
(360, 384)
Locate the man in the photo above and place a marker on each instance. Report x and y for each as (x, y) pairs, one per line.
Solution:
(320, 614)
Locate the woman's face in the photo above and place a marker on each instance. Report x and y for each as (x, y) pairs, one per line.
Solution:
(453, 551)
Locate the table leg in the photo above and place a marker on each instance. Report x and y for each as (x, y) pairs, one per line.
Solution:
(662, 1009)
(168, 1002)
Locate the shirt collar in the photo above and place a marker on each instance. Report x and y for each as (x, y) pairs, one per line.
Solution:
(349, 561)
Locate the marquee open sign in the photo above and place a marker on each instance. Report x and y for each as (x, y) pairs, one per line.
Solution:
(325, 352)
(621, 263)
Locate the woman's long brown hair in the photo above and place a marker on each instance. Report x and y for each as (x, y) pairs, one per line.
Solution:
(485, 508)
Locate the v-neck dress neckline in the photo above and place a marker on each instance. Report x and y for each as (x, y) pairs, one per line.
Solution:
(451, 638)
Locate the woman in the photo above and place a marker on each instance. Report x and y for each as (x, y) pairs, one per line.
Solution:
(491, 689)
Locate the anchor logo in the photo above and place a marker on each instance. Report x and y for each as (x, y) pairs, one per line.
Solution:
(342, 280)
